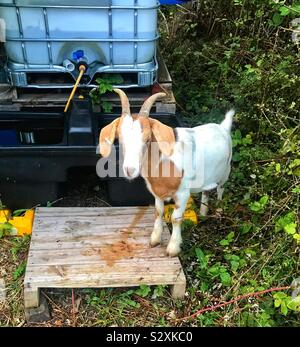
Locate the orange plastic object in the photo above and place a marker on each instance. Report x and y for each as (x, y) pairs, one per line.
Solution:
(189, 213)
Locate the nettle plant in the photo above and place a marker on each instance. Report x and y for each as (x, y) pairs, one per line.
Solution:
(105, 84)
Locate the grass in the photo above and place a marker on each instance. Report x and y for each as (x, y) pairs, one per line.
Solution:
(249, 264)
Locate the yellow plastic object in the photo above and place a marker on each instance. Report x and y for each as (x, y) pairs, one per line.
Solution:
(21, 225)
(4, 215)
(189, 213)
(81, 73)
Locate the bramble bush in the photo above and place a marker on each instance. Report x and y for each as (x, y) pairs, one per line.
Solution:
(240, 53)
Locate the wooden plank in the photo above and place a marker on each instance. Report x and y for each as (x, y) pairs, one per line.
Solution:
(80, 241)
(98, 211)
(85, 276)
(97, 247)
(95, 255)
(163, 74)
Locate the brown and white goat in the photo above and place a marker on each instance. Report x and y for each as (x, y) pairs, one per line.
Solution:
(187, 160)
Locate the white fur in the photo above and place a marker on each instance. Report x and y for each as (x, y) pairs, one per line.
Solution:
(204, 153)
(132, 140)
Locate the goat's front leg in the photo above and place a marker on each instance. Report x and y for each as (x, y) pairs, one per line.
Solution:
(158, 224)
(181, 200)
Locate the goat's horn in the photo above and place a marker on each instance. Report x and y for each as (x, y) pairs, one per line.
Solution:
(124, 102)
(145, 109)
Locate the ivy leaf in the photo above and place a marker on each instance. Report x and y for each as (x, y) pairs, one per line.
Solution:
(284, 11)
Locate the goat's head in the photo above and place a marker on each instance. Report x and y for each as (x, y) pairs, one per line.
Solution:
(135, 132)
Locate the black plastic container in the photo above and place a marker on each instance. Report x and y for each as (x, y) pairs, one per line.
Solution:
(42, 147)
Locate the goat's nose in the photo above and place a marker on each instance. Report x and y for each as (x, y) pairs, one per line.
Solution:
(131, 172)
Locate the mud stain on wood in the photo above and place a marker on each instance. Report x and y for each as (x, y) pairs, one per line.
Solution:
(122, 248)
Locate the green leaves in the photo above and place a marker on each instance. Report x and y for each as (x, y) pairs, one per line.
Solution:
(143, 291)
(202, 258)
(277, 19)
(245, 228)
(225, 278)
(20, 212)
(5, 229)
(288, 224)
(238, 139)
(229, 238)
(105, 83)
(294, 167)
(218, 270)
(284, 11)
(235, 261)
(259, 206)
(158, 291)
(294, 304)
(20, 270)
(285, 302)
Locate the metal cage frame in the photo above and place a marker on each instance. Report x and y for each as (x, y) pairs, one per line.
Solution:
(17, 73)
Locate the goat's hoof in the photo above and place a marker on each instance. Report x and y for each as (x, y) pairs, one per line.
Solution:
(155, 239)
(154, 243)
(173, 251)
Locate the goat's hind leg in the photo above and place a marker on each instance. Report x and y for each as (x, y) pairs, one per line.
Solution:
(220, 191)
(158, 224)
(204, 204)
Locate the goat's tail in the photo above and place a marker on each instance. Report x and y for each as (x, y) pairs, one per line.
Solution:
(227, 122)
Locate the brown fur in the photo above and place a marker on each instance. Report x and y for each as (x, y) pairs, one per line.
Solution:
(162, 187)
(108, 135)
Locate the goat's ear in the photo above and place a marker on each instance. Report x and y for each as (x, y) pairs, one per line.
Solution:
(164, 136)
(107, 137)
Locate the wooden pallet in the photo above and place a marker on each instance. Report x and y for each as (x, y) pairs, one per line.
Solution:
(95, 248)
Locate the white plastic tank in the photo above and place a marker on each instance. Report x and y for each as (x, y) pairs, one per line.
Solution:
(46, 33)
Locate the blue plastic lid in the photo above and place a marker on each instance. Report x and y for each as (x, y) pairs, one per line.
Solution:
(78, 54)
(172, 2)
